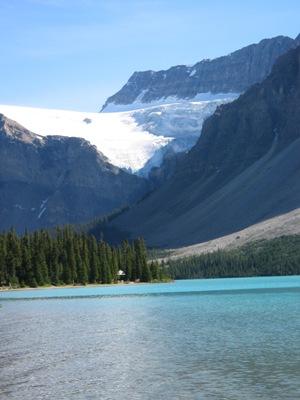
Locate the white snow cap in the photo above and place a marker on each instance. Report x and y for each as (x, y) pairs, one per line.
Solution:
(133, 140)
(116, 135)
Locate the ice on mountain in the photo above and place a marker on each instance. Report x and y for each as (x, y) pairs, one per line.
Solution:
(133, 140)
(138, 103)
(116, 135)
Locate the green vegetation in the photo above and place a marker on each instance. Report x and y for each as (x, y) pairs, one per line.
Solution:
(69, 257)
(280, 256)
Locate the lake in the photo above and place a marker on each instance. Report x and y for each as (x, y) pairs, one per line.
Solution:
(217, 339)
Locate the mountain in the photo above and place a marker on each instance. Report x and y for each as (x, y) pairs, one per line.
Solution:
(245, 168)
(233, 73)
(283, 225)
(45, 181)
(164, 114)
(135, 141)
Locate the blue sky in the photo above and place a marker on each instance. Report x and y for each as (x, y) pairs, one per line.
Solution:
(72, 54)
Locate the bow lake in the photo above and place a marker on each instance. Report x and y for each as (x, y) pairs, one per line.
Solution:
(217, 339)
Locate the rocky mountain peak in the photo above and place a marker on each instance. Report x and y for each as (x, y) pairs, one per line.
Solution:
(245, 168)
(14, 130)
(233, 73)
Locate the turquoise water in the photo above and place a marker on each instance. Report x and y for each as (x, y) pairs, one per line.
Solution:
(196, 286)
(197, 339)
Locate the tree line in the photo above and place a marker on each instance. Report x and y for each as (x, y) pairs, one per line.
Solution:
(280, 256)
(69, 257)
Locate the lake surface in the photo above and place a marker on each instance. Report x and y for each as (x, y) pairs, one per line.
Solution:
(217, 339)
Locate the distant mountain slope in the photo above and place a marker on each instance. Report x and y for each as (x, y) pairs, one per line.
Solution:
(245, 168)
(45, 181)
(282, 225)
(233, 73)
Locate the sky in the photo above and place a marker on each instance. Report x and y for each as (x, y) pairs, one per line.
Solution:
(73, 54)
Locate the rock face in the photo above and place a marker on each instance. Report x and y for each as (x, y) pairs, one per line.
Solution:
(233, 73)
(245, 168)
(45, 181)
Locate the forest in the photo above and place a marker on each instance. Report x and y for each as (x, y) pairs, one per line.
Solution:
(67, 257)
(279, 256)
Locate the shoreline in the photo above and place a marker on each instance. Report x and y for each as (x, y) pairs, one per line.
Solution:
(6, 289)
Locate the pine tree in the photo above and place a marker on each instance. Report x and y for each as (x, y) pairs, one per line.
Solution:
(3, 267)
(95, 262)
(70, 260)
(40, 267)
(127, 258)
(114, 264)
(66, 273)
(141, 269)
(146, 273)
(13, 257)
(55, 269)
(105, 273)
(154, 268)
(26, 270)
(82, 271)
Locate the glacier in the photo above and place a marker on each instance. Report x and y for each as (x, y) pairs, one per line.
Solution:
(116, 135)
(139, 104)
(134, 140)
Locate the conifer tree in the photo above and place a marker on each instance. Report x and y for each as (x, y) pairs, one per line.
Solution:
(4, 281)
(82, 271)
(94, 263)
(154, 268)
(105, 273)
(55, 269)
(141, 270)
(114, 264)
(71, 262)
(127, 259)
(66, 272)
(13, 257)
(26, 270)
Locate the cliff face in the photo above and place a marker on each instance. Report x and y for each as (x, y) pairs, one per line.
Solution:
(244, 168)
(55, 180)
(233, 73)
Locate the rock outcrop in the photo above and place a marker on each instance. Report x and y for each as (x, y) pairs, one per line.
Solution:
(233, 73)
(45, 181)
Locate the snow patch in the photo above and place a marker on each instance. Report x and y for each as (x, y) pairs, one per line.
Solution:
(42, 208)
(42, 212)
(139, 98)
(19, 207)
(138, 103)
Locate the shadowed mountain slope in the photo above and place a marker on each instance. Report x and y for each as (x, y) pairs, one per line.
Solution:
(245, 168)
(45, 181)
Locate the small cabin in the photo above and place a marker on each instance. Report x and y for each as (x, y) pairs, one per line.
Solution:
(121, 275)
